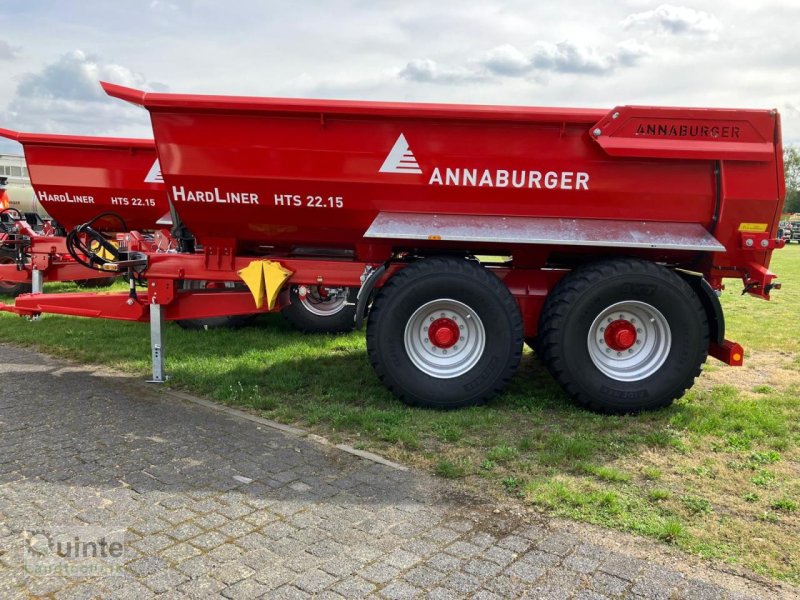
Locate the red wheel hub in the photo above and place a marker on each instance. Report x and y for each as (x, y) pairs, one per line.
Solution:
(443, 333)
(620, 335)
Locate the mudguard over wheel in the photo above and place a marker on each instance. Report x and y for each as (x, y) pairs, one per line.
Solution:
(444, 333)
(623, 336)
(321, 311)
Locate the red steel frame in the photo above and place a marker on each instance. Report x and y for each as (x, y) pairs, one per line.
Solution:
(47, 255)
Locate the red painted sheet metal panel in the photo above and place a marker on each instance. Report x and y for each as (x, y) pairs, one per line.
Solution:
(74, 140)
(307, 172)
(358, 108)
(691, 133)
(77, 177)
(320, 178)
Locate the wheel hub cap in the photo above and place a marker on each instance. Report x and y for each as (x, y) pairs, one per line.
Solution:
(444, 338)
(443, 333)
(629, 340)
(620, 335)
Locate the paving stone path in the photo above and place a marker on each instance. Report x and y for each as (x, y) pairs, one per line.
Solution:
(215, 505)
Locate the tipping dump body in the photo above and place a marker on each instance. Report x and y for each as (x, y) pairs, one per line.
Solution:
(76, 178)
(307, 172)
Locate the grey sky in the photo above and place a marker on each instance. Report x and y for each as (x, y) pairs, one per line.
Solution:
(578, 53)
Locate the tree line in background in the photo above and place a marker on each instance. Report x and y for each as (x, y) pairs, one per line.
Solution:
(791, 166)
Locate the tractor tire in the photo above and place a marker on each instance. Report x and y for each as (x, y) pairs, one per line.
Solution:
(313, 314)
(11, 288)
(229, 322)
(444, 333)
(623, 336)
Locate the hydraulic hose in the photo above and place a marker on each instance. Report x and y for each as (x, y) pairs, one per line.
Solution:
(90, 248)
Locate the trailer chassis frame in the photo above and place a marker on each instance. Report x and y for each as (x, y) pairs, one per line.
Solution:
(40, 257)
(162, 300)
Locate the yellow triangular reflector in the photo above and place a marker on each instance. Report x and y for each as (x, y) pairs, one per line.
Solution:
(264, 279)
(275, 275)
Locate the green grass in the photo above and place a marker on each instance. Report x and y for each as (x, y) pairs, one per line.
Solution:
(657, 495)
(652, 473)
(715, 474)
(785, 504)
(452, 469)
(606, 473)
(696, 505)
(502, 453)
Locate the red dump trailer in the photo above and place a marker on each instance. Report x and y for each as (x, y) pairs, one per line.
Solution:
(112, 185)
(599, 236)
(78, 179)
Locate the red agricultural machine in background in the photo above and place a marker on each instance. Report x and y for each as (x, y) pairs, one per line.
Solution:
(600, 237)
(76, 179)
(110, 185)
(21, 230)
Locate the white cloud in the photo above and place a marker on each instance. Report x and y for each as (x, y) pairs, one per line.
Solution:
(75, 76)
(630, 52)
(675, 20)
(507, 60)
(65, 97)
(568, 57)
(7, 51)
(427, 70)
(473, 53)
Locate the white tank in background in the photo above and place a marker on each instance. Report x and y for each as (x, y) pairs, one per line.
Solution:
(19, 189)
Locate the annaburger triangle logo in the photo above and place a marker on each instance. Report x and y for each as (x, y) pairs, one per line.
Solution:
(154, 174)
(401, 159)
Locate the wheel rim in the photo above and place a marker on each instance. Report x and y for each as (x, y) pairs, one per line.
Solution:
(444, 338)
(323, 307)
(629, 341)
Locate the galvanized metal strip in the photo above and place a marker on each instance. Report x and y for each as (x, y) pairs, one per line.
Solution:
(543, 230)
(157, 343)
